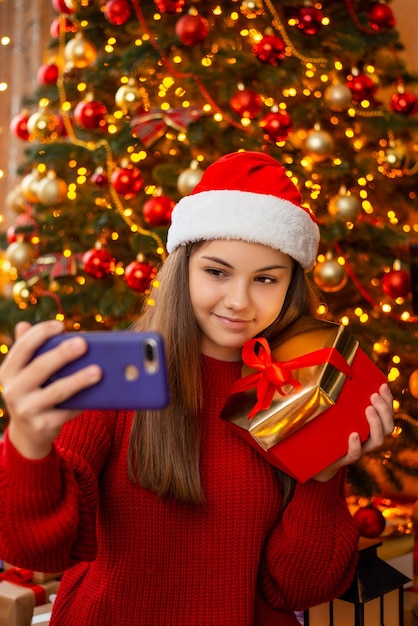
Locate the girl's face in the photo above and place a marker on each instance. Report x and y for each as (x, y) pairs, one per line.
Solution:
(237, 289)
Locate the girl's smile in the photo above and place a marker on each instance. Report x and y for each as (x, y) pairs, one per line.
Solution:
(237, 289)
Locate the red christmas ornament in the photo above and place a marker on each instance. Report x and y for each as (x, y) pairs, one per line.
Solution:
(139, 276)
(98, 262)
(396, 284)
(47, 74)
(170, 6)
(381, 16)
(19, 126)
(61, 7)
(246, 103)
(270, 49)
(117, 12)
(157, 211)
(370, 521)
(90, 114)
(22, 230)
(55, 27)
(404, 103)
(309, 20)
(99, 178)
(276, 126)
(362, 87)
(192, 29)
(127, 181)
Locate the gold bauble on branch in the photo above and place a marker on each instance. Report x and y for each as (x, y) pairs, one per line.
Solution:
(128, 98)
(329, 275)
(338, 97)
(43, 125)
(16, 201)
(395, 155)
(79, 52)
(189, 178)
(344, 205)
(251, 8)
(20, 254)
(5, 279)
(413, 384)
(319, 145)
(29, 186)
(21, 292)
(51, 189)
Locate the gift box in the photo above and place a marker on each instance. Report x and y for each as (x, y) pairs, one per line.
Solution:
(297, 405)
(19, 595)
(37, 577)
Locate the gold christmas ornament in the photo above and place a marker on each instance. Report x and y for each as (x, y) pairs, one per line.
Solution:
(20, 254)
(79, 52)
(129, 98)
(42, 125)
(338, 97)
(189, 178)
(329, 275)
(21, 293)
(29, 186)
(395, 155)
(319, 145)
(51, 189)
(76, 5)
(16, 201)
(413, 384)
(5, 279)
(344, 205)
(251, 8)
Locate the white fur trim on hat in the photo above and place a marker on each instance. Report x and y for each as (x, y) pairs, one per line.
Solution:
(255, 217)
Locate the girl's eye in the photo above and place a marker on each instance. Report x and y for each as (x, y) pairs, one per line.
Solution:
(266, 280)
(213, 271)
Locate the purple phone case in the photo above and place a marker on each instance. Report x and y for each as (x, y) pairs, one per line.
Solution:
(134, 370)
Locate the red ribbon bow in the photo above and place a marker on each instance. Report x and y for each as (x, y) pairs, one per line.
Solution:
(273, 375)
(150, 126)
(23, 578)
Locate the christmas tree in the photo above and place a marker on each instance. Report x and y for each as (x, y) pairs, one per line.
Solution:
(139, 97)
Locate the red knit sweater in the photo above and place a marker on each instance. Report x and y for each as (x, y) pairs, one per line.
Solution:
(133, 559)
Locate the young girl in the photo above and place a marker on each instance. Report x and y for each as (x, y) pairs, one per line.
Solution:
(169, 518)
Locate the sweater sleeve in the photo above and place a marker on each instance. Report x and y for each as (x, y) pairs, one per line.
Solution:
(48, 506)
(311, 555)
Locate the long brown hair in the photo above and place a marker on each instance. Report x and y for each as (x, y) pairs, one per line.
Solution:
(164, 447)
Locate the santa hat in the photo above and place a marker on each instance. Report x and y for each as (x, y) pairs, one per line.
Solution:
(248, 196)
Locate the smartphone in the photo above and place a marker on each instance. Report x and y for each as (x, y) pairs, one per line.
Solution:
(134, 370)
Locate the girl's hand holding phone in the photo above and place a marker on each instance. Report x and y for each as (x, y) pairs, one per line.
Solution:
(34, 419)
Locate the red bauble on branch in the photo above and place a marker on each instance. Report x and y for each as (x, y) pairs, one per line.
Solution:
(370, 521)
(170, 6)
(246, 103)
(127, 181)
(47, 74)
(98, 262)
(55, 27)
(404, 103)
(362, 87)
(157, 211)
(270, 49)
(276, 126)
(139, 275)
(90, 114)
(99, 177)
(117, 12)
(381, 16)
(310, 20)
(192, 29)
(396, 283)
(60, 6)
(19, 126)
